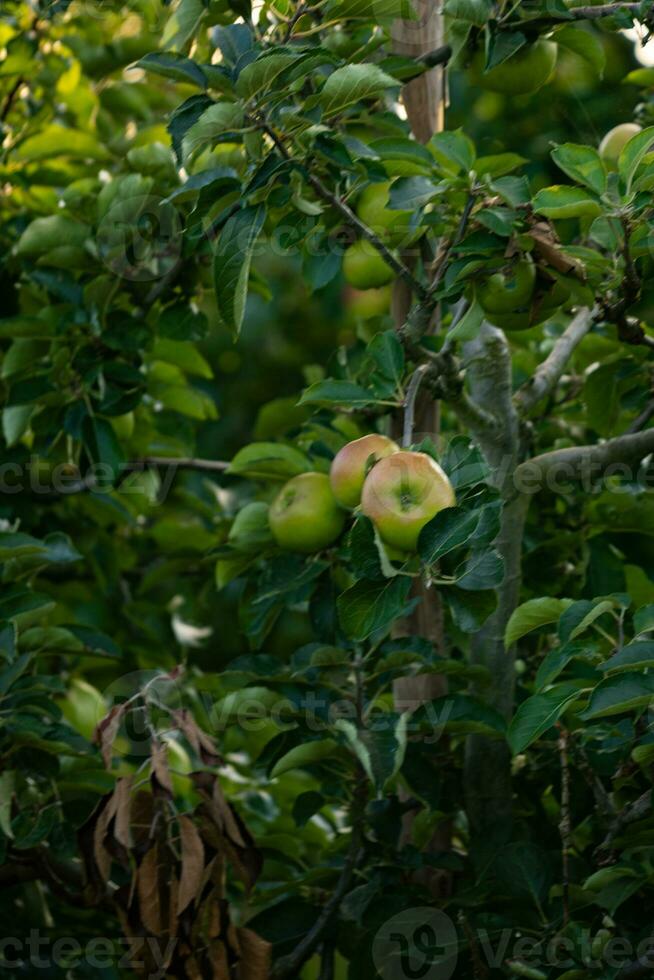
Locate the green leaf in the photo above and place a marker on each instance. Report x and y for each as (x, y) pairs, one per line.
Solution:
(103, 447)
(269, 461)
(449, 529)
(370, 606)
(556, 660)
(259, 75)
(620, 693)
(581, 163)
(523, 871)
(380, 749)
(574, 629)
(635, 656)
(538, 713)
(533, 614)
(411, 193)
(186, 356)
(376, 10)
(561, 201)
(175, 66)
(633, 153)
(498, 164)
(640, 76)
(231, 264)
(351, 84)
(306, 805)
(468, 326)
(470, 610)
(331, 392)
(460, 714)
(212, 124)
(453, 150)
(644, 619)
(303, 755)
(16, 422)
(475, 12)
(481, 570)
(250, 531)
(54, 141)
(586, 44)
(44, 234)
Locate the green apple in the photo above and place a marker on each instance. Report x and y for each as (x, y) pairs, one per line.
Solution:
(402, 493)
(614, 142)
(504, 292)
(367, 303)
(524, 72)
(180, 766)
(304, 515)
(364, 267)
(394, 227)
(352, 464)
(123, 425)
(84, 707)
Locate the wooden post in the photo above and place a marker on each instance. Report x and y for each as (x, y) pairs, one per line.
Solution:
(424, 101)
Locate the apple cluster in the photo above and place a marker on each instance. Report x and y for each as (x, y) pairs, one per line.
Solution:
(399, 490)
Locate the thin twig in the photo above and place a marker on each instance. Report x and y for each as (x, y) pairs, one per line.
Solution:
(346, 211)
(578, 13)
(179, 462)
(410, 404)
(301, 9)
(641, 421)
(629, 814)
(565, 826)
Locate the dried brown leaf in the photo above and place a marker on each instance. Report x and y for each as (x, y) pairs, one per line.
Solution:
(202, 744)
(255, 956)
(148, 891)
(106, 731)
(192, 864)
(160, 777)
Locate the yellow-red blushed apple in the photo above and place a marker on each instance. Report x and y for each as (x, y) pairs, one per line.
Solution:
(304, 515)
(352, 463)
(402, 493)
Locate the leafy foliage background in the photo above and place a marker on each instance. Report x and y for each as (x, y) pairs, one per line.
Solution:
(128, 149)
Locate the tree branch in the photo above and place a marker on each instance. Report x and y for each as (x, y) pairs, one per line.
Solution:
(410, 403)
(549, 372)
(583, 462)
(290, 965)
(180, 462)
(346, 211)
(577, 13)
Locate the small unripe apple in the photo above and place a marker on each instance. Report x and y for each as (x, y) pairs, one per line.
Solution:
(84, 707)
(366, 303)
(304, 515)
(614, 142)
(504, 292)
(352, 464)
(364, 267)
(522, 73)
(394, 227)
(123, 425)
(402, 493)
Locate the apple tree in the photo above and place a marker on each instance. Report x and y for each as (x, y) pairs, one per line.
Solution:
(450, 499)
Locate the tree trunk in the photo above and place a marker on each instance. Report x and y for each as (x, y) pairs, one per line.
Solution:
(424, 101)
(488, 763)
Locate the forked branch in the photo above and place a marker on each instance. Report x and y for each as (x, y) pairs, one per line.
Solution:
(547, 375)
